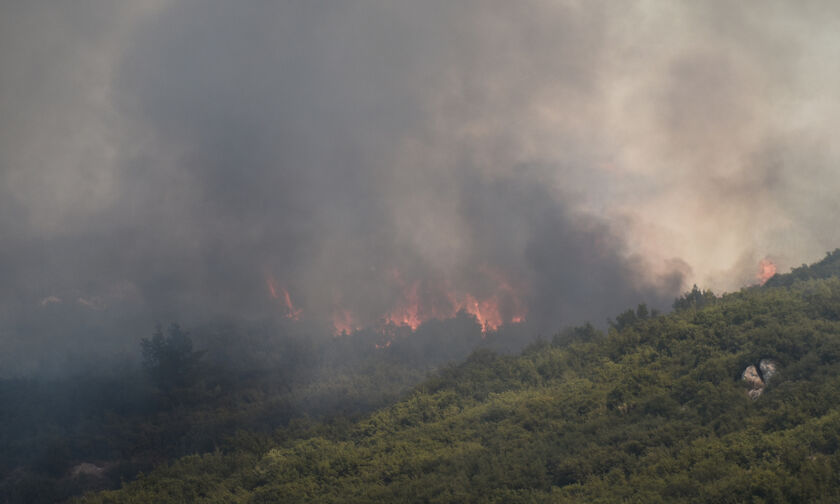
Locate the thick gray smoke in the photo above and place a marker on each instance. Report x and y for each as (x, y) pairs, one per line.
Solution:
(177, 160)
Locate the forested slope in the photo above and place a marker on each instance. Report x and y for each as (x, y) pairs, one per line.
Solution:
(654, 410)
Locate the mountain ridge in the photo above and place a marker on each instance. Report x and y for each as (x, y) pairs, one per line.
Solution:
(652, 410)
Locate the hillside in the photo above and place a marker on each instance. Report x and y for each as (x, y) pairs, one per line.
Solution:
(69, 434)
(654, 410)
(828, 267)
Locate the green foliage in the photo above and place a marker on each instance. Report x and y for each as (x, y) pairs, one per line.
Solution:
(654, 411)
(184, 402)
(695, 299)
(581, 334)
(828, 267)
(630, 318)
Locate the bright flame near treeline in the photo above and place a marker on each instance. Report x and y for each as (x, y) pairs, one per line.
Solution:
(443, 302)
(766, 270)
(344, 322)
(291, 312)
(419, 303)
(416, 302)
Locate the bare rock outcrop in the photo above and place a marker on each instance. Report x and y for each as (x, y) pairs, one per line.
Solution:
(754, 381)
(87, 469)
(767, 368)
(758, 376)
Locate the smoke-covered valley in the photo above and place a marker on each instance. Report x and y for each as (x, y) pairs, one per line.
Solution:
(551, 162)
(337, 200)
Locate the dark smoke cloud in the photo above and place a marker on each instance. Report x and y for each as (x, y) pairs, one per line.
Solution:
(162, 162)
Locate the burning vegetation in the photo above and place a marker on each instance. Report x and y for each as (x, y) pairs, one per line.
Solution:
(766, 270)
(283, 296)
(415, 302)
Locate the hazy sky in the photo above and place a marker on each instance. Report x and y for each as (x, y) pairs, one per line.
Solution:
(162, 160)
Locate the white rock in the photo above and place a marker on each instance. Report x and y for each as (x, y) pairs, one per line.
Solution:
(751, 376)
(87, 469)
(768, 368)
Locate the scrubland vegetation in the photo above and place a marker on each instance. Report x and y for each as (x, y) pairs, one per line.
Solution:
(654, 409)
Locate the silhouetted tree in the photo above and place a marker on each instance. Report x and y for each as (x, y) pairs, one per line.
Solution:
(169, 358)
(695, 299)
(586, 333)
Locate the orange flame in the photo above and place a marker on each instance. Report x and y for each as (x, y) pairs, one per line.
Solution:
(419, 301)
(344, 322)
(411, 311)
(485, 311)
(766, 270)
(291, 312)
(272, 287)
(407, 311)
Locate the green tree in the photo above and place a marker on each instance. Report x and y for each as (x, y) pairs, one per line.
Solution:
(169, 358)
(695, 299)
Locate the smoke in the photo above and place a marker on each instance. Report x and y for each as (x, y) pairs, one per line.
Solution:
(163, 162)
